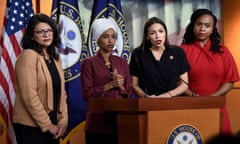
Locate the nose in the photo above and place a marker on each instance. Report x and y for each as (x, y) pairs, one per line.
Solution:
(158, 34)
(111, 40)
(202, 27)
(46, 33)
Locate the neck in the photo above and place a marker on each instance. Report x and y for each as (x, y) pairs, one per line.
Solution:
(203, 42)
(45, 54)
(158, 49)
(106, 56)
(157, 52)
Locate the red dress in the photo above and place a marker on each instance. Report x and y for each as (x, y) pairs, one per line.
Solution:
(210, 70)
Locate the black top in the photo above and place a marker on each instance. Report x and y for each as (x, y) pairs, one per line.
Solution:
(56, 83)
(156, 77)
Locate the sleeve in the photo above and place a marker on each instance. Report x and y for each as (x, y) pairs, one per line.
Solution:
(26, 78)
(87, 82)
(134, 64)
(231, 72)
(184, 65)
(128, 80)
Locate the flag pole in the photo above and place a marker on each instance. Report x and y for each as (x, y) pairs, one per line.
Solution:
(37, 6)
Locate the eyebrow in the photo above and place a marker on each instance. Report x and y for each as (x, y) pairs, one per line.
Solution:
(43, 29)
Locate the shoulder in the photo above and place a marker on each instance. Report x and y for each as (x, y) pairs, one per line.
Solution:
(26, 60)
(90, 59)
(185, 47)
(28, 55)
(137, 52)
(224, 49)
(226, 52)
(119, 59)
(177, 52)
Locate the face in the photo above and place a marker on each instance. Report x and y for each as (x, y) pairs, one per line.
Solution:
(203, 27)
(156, 35)
(107, 40)
(43, 34)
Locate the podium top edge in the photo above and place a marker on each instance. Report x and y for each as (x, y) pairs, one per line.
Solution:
(155, 104)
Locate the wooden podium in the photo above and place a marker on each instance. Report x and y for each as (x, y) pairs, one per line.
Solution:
(152, 121)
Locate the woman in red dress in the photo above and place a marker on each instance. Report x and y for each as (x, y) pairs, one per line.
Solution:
(213, 70)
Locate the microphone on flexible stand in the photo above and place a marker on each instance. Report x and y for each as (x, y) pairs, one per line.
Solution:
(191, 89)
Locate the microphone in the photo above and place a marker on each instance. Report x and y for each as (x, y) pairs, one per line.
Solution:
(191, 89)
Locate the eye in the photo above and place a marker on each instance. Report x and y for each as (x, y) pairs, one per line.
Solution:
(42, 32)
(39, 32)
(152, 32)
(104, 36)
(207, 25)
(199, 24)
(161, 31)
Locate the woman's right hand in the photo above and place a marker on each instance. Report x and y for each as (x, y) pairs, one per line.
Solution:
(54, 131)
(62, 130)
(118, 80)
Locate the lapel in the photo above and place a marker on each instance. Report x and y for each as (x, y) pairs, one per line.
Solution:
(49, 82)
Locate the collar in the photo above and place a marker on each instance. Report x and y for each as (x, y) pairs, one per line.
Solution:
(99, 55)
(207, 45)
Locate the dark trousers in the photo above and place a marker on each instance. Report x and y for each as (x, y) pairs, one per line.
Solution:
(32, 135)
(96, 138)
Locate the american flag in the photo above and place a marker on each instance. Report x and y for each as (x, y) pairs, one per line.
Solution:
(16, 17)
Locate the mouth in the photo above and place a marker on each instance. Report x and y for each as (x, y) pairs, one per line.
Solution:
(201, 34)
(159, 41)
(110, 46)
(46, 40)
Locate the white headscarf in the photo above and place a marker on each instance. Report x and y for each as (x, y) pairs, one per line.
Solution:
(99, 26)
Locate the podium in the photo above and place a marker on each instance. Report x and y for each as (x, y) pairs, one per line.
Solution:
(164, 120)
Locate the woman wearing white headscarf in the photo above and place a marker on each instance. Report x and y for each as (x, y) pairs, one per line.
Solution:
(104, 76)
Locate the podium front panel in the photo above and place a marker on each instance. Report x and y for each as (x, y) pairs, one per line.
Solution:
(161, 125)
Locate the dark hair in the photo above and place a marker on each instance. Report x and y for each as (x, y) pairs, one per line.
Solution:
(189, 36)
(146, 43)
(28, 42)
